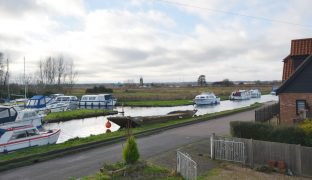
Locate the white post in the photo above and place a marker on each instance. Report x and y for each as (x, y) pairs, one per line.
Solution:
(212, 137)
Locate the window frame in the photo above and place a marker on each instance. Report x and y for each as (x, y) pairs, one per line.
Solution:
(305, 105)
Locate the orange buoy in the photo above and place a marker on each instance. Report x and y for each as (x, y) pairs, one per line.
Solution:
(108, 124)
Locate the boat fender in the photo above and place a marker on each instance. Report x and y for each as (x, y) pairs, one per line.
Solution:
(108, 124)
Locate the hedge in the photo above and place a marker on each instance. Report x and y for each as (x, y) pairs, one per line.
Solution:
(267, 132)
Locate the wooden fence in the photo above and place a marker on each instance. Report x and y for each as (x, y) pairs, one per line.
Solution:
(267, 112)
(297, 158)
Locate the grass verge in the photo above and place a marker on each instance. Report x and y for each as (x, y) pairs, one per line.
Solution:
(77, 114)
(41, 153)
(140, 170)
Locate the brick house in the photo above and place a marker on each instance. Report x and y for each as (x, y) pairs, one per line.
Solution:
(295, 93)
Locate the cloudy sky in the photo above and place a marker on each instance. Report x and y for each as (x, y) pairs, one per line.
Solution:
(163, 41)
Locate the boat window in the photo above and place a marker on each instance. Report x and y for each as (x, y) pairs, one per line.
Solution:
(74, 98)
(4, 113)
(2, 131)
(107, 97)
(65, 99)
(92, 98)
(31, 132)
(42, 101)
(12, 112)
(32, 102)
(84, 98)
(18, 135)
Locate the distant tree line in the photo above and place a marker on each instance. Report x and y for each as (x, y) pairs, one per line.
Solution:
(225, 82)
(54, 74)
(4, 75)
(100, 89)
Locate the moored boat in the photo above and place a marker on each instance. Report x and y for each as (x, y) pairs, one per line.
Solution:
(19, 137)
(44, 104)
(71, 102)
(98, 100)
(207, 98)
(255, 93)
(240, 95)
(142, 120)
(12, 115)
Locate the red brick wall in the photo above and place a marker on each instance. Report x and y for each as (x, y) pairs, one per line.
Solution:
(288, 105)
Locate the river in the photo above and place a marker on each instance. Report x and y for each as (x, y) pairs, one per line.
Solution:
(88, 126)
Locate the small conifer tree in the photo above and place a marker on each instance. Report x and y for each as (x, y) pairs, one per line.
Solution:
(130, 152)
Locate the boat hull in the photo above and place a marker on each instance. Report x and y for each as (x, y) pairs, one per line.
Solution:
(207, 101)
(143, 120)
(38, 140)
(97, 103)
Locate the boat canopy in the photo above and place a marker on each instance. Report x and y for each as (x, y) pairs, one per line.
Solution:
(38, 101)
(7, 114)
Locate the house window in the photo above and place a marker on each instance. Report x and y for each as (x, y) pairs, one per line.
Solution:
(300, 106)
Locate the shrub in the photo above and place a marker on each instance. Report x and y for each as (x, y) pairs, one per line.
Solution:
(266, 132)
(130, 152)
(306, 126)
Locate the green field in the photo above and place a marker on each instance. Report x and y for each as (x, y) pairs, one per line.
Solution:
(170, 96)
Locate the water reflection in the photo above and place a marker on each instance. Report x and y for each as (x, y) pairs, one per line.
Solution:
(81, 128)
(88, 126)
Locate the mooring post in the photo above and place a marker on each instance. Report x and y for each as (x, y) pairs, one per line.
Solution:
(212, 137)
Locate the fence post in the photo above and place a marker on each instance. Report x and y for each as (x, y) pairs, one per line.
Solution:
(212, 137)
(298, 159)
(251, 155)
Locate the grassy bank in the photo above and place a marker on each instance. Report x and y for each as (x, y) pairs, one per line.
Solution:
(40, 153)
(157, 103)
(77, 114)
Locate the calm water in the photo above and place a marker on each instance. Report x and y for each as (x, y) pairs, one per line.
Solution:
(88, 126)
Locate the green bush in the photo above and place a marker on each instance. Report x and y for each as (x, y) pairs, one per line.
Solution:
(131, 153)
(266, 132)
(306, 126)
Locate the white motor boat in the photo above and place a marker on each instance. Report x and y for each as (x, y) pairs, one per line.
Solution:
(70, 101)
(44, 104)
(240, 95)
(19, 137)
(12, 115)
(98, 100)
(207, 98)
(255, 93)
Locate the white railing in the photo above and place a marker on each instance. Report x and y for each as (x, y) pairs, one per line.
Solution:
(228, 150)
(186, 166)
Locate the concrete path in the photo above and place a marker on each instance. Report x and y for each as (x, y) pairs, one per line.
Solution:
(88, 162)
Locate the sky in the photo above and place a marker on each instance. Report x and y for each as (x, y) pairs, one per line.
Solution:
(114, 41)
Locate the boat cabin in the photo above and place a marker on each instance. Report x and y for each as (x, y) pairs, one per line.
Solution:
(66, 99)
(98, 100)
(7, 114)
(38, 101)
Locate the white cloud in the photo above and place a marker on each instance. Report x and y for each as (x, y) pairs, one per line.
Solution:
(110, 45)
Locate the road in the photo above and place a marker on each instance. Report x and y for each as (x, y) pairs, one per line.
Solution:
(88, 162)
